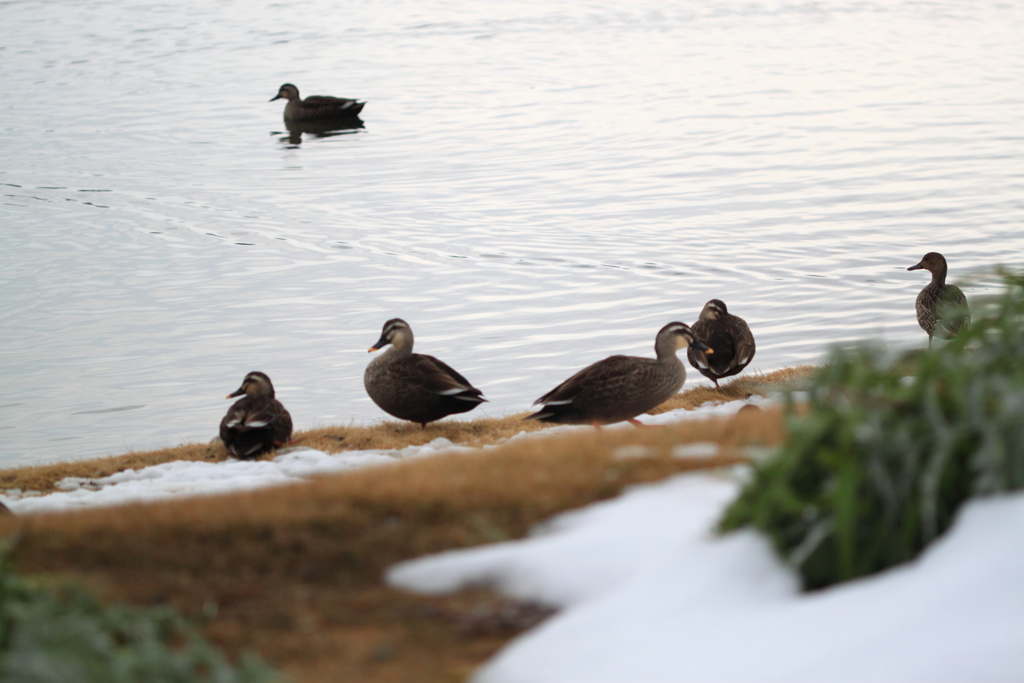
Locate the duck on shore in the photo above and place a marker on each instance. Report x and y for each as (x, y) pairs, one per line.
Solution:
(621, 387)
(315, 107)
(728, 335)
(256, 422)
(942, 309)
(414, 386)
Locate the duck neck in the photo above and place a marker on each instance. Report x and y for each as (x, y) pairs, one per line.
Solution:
(939, 277)
(665, 348)
(401, 344)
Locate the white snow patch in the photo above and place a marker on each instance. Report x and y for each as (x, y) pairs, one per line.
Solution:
(183, 478)
(650, 594)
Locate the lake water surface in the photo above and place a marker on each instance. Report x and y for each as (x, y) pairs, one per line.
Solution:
(538, 185)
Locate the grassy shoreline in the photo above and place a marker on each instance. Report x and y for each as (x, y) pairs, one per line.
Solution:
(294, 572)
(387, 434)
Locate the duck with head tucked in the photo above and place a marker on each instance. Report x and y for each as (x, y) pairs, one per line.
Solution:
(315, 107)
(256, 422)
(413, 386)
(621, 387)
(941, 309)
(728, 335)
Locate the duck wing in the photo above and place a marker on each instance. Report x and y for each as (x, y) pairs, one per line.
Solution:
(281, 419)
(607, 375)
(732, 342)
(952, 312)
(743, 340)
(439, 378)
(337, 106)
(254, 424)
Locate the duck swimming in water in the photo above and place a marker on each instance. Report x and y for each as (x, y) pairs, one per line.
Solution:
(413, 386)
(256, 422)
(621, 387)
(941, 309)
(315, 107)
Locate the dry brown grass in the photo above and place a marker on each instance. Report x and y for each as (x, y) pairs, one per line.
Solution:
(384, 435)
(393, 434)
(294, 571)
(739, 388)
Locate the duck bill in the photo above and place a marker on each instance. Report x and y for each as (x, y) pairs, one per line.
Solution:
(917, 267)
(701, 346)
(237, 392)
(274, 98)
(379, 344)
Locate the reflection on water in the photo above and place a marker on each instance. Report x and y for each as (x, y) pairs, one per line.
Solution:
(322, 128)
(537, 186)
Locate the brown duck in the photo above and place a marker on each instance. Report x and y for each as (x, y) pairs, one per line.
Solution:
(315, 107)
(941, 309)
(621, 387)
(413, 386)
(728, 335)
(257, 422)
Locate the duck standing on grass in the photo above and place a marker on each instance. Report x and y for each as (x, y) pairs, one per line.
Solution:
(413, 386)
(621, 387)
(256, 422)
(941, 309)
(728, 335)
(315, 107)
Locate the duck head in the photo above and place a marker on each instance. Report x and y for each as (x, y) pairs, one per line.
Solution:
(286, 91)
(675, 336)
(397, 333)
(713, 310)
(935, 263)
(254, 384)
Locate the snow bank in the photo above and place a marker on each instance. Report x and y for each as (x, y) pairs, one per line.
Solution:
(181, 478)
(651, 595)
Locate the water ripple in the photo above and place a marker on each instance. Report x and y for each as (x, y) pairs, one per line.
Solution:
(536, 187)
